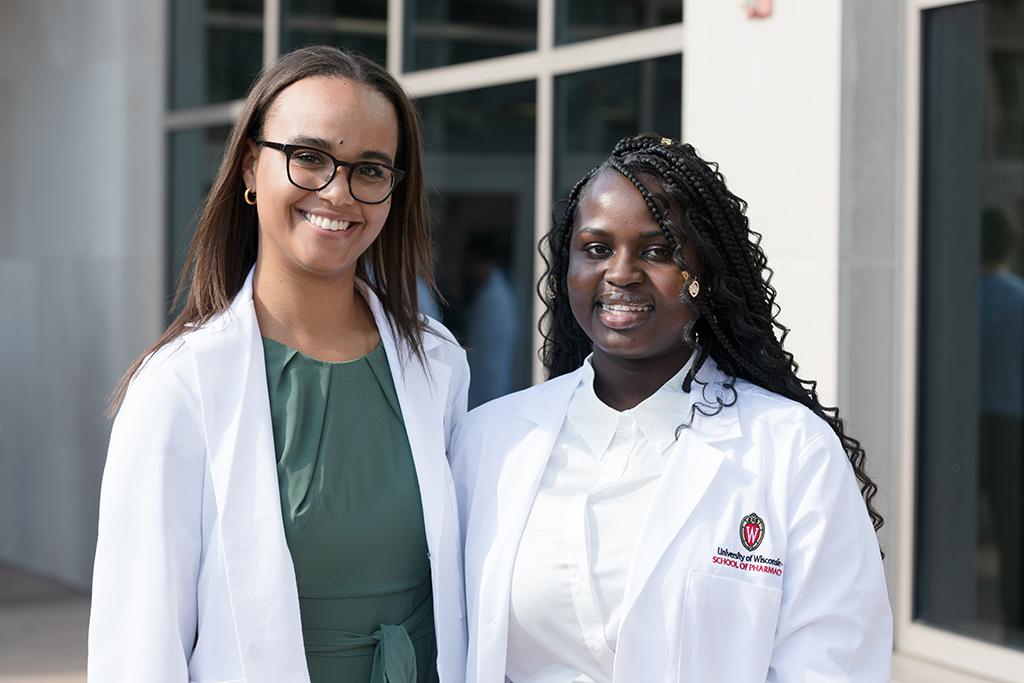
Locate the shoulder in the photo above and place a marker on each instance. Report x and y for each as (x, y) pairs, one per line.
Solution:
(787, 437)
(543, 399)
(442, 334)
(765, 426)
(174, 367)
(759, 405)
(439, 344)
(169, 370)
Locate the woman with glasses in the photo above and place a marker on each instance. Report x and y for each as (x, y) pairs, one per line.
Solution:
(675, 504)
(277, 504)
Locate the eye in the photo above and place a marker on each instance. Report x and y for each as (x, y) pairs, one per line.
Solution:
(659, 252)
(309, 158)
(370, 172)
(597, 250)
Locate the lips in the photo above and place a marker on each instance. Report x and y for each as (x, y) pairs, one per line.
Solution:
(326, 223)
(621, 311)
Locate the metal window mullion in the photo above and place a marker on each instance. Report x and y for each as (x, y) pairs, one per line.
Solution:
(271, 31)
(543, 160)
(396, 34)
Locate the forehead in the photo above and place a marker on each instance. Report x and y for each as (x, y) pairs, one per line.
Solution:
(612, 200)
(335, 109)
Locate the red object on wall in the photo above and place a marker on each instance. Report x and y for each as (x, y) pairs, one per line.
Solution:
(757, 9)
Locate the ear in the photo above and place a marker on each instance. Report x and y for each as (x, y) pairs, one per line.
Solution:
(249, 164)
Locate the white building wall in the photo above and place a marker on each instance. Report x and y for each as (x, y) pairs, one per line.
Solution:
(762, 98)
(81, 256)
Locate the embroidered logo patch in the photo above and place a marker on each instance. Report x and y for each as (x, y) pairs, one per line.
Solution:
(751, 532)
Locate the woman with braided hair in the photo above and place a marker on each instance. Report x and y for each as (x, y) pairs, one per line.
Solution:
(674, 504)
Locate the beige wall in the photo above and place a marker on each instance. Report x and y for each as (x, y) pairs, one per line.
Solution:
(803, 110)
(81, 256)
(762, 98)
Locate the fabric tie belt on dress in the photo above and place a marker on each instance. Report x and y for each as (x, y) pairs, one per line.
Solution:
(394, 658)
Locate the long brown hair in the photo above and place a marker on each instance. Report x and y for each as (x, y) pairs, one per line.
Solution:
(224, 247)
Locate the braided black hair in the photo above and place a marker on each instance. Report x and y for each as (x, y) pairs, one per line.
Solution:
(735, 313)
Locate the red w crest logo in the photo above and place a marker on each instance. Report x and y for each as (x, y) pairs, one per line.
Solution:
(751, 532)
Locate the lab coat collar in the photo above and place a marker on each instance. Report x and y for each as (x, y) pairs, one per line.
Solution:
(658, 416)
(235, 404)
(517, 486)
(421, 394)
(693, 464)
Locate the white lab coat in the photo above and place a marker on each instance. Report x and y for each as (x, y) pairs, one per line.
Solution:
(687, 616)
(191, 544)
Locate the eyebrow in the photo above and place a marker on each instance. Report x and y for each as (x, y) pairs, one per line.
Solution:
(321, 143)
(601, 232)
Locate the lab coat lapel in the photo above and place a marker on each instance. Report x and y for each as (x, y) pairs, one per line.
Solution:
(243, 467)
(521, 472)
(693, 464)
(422, 394)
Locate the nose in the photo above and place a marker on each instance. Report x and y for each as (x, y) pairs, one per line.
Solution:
(338, 191)
(623, 269)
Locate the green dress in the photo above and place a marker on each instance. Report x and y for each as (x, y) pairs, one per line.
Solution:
(352, 517)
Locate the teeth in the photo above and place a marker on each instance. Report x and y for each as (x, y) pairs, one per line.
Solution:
(326, 223)
(625, 308)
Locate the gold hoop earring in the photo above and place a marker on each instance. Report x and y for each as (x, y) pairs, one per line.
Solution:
(251, 201)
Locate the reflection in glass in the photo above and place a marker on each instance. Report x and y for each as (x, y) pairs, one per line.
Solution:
(586, 19)
(194, 157)
(359, 25)
(480, 164)
(444, 32)
(595, 109)
(216, 50)
(969, 571)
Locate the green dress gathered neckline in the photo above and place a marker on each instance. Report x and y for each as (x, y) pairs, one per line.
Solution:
(353, 518)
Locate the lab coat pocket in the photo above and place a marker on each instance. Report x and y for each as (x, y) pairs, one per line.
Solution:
(728, 629)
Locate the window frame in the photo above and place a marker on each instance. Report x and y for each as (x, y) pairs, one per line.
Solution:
(919, 648)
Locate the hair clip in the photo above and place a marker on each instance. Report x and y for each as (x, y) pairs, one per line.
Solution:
(666, 141)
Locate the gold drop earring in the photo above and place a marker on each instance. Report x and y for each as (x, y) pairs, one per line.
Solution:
(694, 288)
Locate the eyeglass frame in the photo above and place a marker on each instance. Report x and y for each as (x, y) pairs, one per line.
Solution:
(289, 150)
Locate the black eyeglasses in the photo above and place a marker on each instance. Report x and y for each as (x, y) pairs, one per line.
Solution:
(370, 182)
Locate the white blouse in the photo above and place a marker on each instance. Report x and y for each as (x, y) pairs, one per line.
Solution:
(576, 550)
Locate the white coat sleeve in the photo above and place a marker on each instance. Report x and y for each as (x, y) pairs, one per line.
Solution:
(458, 394)
(834, 620)
(144, 605)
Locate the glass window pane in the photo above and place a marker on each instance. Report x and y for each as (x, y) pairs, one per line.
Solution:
(443, 32)
(354, 24)
(969, 573)
(586, 19)
(193, 157)
(216, 50)
(595, 109)
(480, 165)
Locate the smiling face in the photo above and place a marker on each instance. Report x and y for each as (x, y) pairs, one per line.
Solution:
(624, 287)
(320, 233)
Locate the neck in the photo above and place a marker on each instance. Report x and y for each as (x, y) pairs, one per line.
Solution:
(623, 384)
(325, 318)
